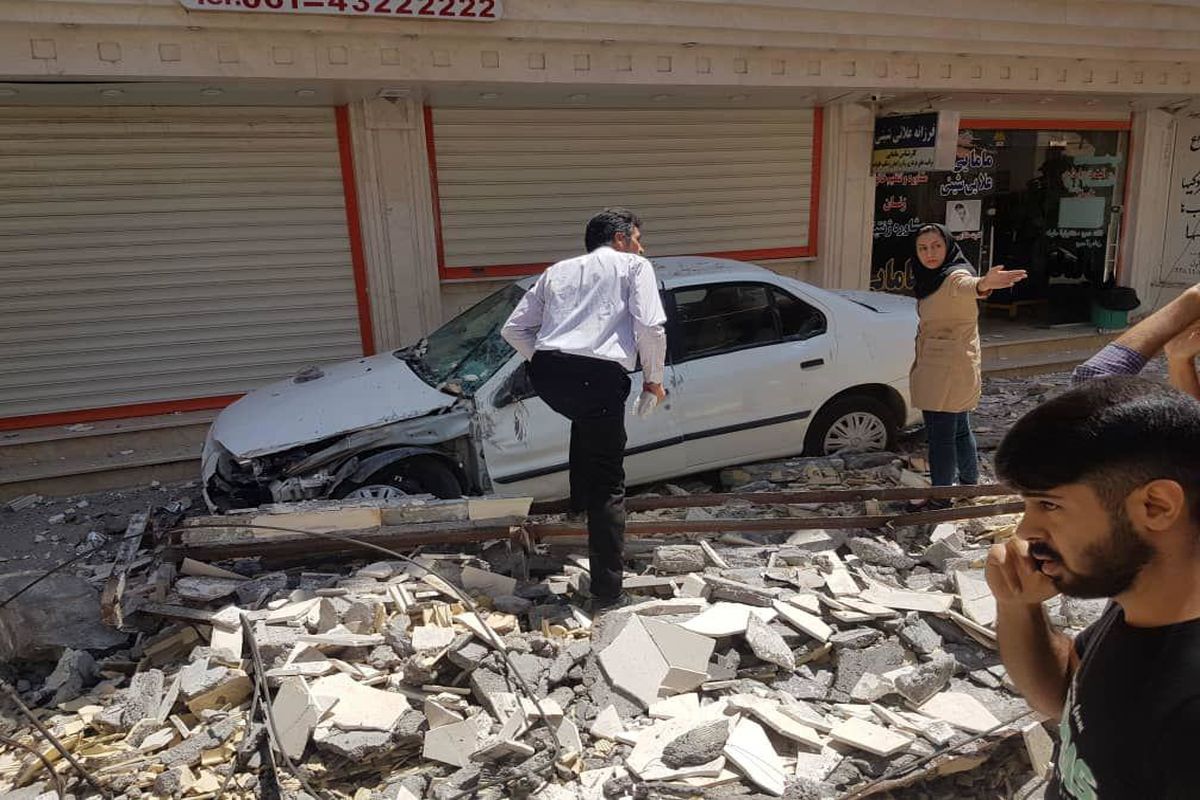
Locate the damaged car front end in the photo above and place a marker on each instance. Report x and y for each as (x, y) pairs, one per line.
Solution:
(393, 424)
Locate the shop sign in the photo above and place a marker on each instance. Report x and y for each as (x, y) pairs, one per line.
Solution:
(467, 10)
(1181, 253)
(915, 142)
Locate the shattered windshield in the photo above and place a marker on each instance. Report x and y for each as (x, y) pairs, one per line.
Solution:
(461, 355)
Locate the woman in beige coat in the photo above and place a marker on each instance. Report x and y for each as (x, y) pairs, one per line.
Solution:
(945, 380)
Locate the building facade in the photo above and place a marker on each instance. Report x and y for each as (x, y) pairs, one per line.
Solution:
(199, 196)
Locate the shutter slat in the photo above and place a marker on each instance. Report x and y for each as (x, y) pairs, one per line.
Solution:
(517, 185)
(156, 254)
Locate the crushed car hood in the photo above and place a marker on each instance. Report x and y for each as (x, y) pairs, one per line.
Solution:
(344, 397)
(883, 302)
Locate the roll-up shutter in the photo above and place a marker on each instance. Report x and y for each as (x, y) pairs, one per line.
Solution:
(516, 186)
(158, 254)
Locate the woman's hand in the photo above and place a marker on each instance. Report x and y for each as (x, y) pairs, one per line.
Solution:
(1000, 278)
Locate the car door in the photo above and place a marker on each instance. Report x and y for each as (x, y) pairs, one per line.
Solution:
(752, 365)
(525, 443)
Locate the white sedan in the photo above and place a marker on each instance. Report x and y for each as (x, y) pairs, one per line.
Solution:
(760, 366)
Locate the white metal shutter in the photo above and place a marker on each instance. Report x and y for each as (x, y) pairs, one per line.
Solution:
(517, 186)
(153, 254)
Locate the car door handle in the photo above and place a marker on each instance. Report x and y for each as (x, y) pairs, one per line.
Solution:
(813, 364)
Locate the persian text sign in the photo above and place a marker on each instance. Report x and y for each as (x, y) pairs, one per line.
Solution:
(469, 10)
(915, 142)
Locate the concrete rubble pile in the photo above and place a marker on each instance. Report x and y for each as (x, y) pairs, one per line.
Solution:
(802, 665)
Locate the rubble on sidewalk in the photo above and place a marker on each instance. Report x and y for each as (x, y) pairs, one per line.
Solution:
(769, 663)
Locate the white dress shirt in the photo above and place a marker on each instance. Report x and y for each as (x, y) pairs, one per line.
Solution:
(602, 305)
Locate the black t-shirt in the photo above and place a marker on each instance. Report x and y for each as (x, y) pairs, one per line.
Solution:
(1131, 724)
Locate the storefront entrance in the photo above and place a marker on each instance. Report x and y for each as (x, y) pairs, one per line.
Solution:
(1041, 196)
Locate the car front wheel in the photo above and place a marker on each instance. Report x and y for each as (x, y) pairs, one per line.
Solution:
(417, 475)
(856, 423)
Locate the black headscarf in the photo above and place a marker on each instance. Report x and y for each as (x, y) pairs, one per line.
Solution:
(927, 281)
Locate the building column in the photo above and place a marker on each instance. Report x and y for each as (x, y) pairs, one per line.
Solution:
(1144, 226)
(847, 199)
(395, 201)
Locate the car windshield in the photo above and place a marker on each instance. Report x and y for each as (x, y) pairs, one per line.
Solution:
(464, 353)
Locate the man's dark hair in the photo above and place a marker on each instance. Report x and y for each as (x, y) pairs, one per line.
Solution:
(1113, 434)
(608, 223)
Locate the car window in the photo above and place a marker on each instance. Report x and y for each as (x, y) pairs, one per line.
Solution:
(797, 319)
(724, 317)
(468, 349)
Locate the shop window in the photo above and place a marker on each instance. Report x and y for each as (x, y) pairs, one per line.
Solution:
(1047, 201)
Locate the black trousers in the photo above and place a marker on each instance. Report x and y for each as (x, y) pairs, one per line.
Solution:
(591, 393)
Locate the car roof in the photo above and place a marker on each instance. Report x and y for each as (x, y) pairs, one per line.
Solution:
(675, 271)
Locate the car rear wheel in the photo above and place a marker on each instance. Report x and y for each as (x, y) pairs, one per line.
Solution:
(417, 475)
(856, 423)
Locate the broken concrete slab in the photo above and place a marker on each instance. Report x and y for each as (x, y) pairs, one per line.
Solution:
(678, 559)
(488, 583)
(976, 598)
(1040, 748)
(879, 552)
(634, 663)
(960, 710)
(686, 653)
(296, 714)
(358, 707)
(438, 715)
(646, 761)
(925, 680)
(749, 749)
(700, 745)
(767, 644)
(59, 612)
(607, 724)
(727, 619)
(869, 737)
(907, 600)
(498, 749)
(772, 715)
(683, 705)
(452, 744)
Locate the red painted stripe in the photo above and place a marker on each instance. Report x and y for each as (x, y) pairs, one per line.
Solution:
(115, 412)
(358, 260)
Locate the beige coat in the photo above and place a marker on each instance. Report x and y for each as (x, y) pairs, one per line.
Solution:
(945, 375)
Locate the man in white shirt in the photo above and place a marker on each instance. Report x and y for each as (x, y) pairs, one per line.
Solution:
(582, 327)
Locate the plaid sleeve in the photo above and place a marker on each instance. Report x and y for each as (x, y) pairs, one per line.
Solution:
(1114, 359)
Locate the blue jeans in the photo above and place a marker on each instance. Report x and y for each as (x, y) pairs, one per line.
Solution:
(951, 448)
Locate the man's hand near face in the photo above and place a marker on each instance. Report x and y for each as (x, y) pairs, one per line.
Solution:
(1013, 575)
(1038, 658)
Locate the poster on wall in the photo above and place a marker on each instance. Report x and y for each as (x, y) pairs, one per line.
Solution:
(964, 215)
(1181, 251)
(915, 142)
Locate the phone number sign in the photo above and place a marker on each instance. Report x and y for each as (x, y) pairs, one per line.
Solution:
(468, 10)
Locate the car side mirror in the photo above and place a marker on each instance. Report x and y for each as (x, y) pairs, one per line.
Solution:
(516, 387)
